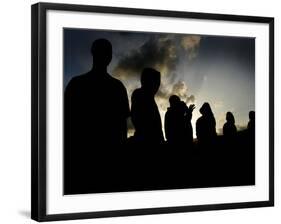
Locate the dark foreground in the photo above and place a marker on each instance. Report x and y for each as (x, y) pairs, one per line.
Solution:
(138, 168)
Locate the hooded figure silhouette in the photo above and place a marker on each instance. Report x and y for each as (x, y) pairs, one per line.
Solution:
(144, 111)
(206, 125)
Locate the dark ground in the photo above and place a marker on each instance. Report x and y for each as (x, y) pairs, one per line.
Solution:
(138, 167)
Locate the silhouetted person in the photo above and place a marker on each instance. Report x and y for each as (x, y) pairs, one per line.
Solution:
(251, 123)
(95, 111)
(144, 111)
(251, 127)
(229, 128)
(178, 128)
(206, 126)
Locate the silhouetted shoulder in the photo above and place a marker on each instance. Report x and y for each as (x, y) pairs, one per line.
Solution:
(136, 93)
(83, 80)
(76, 81)
(117, 82)
(199, 120)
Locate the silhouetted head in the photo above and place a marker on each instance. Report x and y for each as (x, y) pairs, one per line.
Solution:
(206, 110)
(102, 53)
(174, 100)
(150, 80)
(230, 117)
(252, 115)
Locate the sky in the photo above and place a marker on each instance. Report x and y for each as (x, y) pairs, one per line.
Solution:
(198, 68)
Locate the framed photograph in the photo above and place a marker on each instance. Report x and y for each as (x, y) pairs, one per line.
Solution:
(138, 111)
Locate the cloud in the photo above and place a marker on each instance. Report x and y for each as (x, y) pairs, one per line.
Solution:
(191, 44)
(218, 104)
(179, 88)
(162, 52)
(190, 99)
(158, 52)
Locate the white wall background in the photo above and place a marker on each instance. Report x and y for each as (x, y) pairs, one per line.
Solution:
(15, 111)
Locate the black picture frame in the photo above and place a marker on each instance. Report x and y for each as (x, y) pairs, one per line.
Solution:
(39, 122)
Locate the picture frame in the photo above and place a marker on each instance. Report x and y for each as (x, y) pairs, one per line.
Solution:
(42, 157)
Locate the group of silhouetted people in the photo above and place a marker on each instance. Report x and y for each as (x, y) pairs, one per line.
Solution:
(96, 110)
(178, 128)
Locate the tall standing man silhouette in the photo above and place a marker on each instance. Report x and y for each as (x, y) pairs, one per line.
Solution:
(95, 114)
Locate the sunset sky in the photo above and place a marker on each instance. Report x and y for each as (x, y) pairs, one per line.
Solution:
(198, 68)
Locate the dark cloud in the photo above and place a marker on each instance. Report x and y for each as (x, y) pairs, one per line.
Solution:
(161, 51)
(158, 52)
